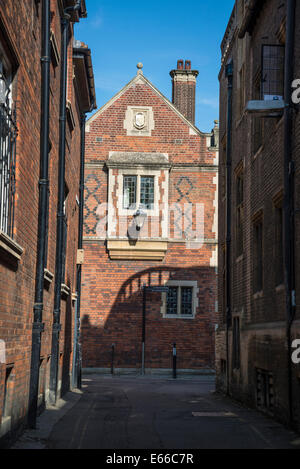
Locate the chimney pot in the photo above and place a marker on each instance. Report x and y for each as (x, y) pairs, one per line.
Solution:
(188, 65)
(180, 65)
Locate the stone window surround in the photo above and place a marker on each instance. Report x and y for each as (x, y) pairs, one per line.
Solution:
(181, 283)
(136, 163)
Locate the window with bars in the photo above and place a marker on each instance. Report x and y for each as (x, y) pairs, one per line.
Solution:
(8, 136)
(180, 301)
(264, 390)
(138, 192)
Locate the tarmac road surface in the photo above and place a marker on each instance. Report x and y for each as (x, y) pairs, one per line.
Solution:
(160, 413)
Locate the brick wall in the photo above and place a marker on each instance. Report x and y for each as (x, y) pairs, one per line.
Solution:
(21, 26)
(112, 297)
(262, 314)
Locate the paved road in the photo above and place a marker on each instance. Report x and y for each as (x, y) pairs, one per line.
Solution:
(147, 413)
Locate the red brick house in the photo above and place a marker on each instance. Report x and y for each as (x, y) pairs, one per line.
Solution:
(30, 43)
(150, 219)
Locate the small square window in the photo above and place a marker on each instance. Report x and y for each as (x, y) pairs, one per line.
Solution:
(180, 301)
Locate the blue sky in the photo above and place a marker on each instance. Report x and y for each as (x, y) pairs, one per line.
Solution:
(122, 33)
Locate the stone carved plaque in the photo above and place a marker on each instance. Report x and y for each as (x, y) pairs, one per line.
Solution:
(140, 120)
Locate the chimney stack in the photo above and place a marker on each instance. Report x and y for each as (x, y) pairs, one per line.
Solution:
(184, 89)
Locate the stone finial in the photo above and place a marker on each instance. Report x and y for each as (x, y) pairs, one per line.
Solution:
(140, 68)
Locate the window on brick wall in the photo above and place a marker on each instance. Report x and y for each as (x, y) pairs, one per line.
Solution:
(278, 244)
(239, 213)
(236, 349)
(241, 90)
(8, 391)
(181, 300)
(272, 71)
(65, 235)
(223, 168)
(258, 255)
(264, 390)
(258, 122)
(138, 192)
(8, 135)
(224, 315)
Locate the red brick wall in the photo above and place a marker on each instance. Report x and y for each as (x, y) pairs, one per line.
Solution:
(263, 315)
(23, 28)
(112, 300)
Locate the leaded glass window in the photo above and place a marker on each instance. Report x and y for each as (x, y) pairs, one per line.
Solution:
(186, 301)
(172, 301)
(180, 301)
(147, 192)
(129, 192)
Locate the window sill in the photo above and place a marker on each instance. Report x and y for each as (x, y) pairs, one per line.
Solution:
(10, 247)
(48, 277)
(142, 250)
(65, 290)
(177, 316)
(5, 426)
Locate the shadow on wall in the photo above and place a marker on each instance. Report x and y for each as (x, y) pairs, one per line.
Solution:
(121, 324)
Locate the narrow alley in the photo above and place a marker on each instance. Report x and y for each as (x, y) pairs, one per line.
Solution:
(122, 413)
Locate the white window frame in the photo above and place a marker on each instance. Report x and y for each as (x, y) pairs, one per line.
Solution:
(195, 304)
(139, 173)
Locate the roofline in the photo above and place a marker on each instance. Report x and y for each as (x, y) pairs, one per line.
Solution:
(86, 54)
(174, 108)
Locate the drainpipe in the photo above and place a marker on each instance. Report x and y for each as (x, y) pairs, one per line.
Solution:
(38, 326)
(289, 172)
(76, 376)
(229, 75)
(65, 24)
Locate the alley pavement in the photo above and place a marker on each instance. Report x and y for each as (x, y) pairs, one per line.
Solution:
(156, 413)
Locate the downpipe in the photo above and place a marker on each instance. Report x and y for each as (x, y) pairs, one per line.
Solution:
(76, 374)
(229, 75)
(38, 326)
(289, 222)
(65, 24)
